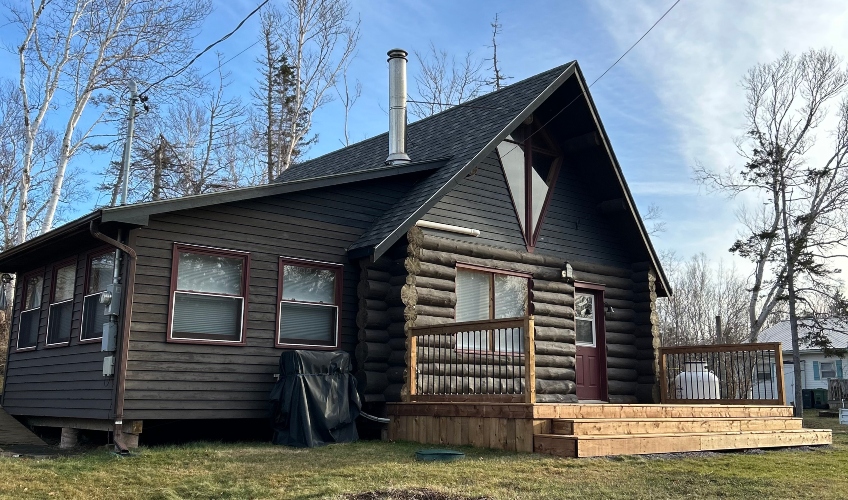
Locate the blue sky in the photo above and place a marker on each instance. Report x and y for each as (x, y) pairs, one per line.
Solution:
(673, 101)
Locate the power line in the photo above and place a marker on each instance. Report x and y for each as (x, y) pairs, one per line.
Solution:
(230, 59)
(581, 94)
(195, 58)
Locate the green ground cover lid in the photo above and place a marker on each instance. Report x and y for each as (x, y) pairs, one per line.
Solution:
(439, 455)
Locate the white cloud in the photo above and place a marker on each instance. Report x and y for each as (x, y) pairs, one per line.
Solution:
(694, 60)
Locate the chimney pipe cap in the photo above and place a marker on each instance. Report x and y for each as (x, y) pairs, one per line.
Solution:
(397, 53)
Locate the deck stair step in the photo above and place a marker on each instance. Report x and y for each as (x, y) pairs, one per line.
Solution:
(636, 444)
(626, 426)
(608, 411)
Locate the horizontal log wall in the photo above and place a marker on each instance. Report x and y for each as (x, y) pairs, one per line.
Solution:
(381, 369)
(418, 289)
(620, 326)
(429, 298)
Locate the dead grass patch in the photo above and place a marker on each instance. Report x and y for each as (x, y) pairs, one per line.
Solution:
(415, 494)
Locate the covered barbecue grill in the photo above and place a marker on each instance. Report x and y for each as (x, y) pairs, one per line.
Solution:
(315, 402)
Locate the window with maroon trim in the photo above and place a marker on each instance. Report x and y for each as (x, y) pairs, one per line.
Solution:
(310, 304)
(61, 304)
(482, 295)
(99, 275)
(209, 295)
(30, 317)
(530, 162)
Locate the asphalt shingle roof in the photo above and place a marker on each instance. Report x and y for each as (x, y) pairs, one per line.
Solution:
(459, 133)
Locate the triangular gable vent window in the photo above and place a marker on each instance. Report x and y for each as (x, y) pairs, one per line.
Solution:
(530, 163)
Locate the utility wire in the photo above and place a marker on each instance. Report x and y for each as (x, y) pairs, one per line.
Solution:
(195, 58)
(230, 59)
(581, 94)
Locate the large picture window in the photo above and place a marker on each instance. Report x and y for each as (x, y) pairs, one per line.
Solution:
(61, 305)
(99, 275)
(310, 299)
(482, 295)
(208, 301)
(30, 311)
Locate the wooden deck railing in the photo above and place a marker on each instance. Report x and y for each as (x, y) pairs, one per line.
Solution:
(837, 389)
(493, 360)
(722, 374)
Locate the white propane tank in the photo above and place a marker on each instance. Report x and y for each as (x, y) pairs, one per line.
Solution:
(696, 382)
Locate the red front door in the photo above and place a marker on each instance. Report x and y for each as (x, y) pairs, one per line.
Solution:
(590, 362)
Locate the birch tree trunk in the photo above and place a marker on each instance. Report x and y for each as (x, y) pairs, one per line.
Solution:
(87, 50)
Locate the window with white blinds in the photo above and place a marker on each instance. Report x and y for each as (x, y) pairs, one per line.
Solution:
(209, 297)
(310, 298)
(482, 295)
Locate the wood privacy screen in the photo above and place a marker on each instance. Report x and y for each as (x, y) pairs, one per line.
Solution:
(491, 360)
(722, 374)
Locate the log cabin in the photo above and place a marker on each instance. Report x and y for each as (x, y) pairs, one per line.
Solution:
(486, 268)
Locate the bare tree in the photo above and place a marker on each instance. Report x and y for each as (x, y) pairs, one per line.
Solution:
(444, 82)
(274, 99)
(44, 152)
(318, 39)
(803, 224)
(348, 98)
(702, 291)
(498, 78)
(654, 218)
(193, 146)
(76, 53)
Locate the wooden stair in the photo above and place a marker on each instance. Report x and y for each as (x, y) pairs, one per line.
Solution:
(605, 430)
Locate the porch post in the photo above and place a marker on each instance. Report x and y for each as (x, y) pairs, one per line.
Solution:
(530, 360)
(781, 389)
(412, 363)
(663, 377)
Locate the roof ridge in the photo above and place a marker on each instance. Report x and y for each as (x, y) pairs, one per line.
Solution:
(453, 108)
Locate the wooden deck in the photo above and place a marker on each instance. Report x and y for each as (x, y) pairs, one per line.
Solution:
(590, 430)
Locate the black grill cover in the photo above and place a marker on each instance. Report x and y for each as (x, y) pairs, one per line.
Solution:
(315, 401)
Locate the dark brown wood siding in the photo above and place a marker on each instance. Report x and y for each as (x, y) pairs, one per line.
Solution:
(169, 380)
(573, 227)
(482, 202)
(61, 381)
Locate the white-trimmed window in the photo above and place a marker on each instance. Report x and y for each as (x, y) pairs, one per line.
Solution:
(209, 295)
(584, 319)
(61, 305)
(310, 302)
(484, 294)
(30, 317)
(99, 276)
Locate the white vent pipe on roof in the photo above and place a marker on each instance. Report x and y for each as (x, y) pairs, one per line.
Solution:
(397, 108)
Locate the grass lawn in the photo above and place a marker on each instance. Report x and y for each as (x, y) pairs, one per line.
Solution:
(222, 471)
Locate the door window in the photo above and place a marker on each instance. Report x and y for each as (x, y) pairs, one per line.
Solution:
(584, 319)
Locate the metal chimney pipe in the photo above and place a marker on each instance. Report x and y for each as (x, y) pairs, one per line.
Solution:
(397, 108)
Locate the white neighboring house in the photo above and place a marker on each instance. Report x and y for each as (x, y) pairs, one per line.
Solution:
(816, 368)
